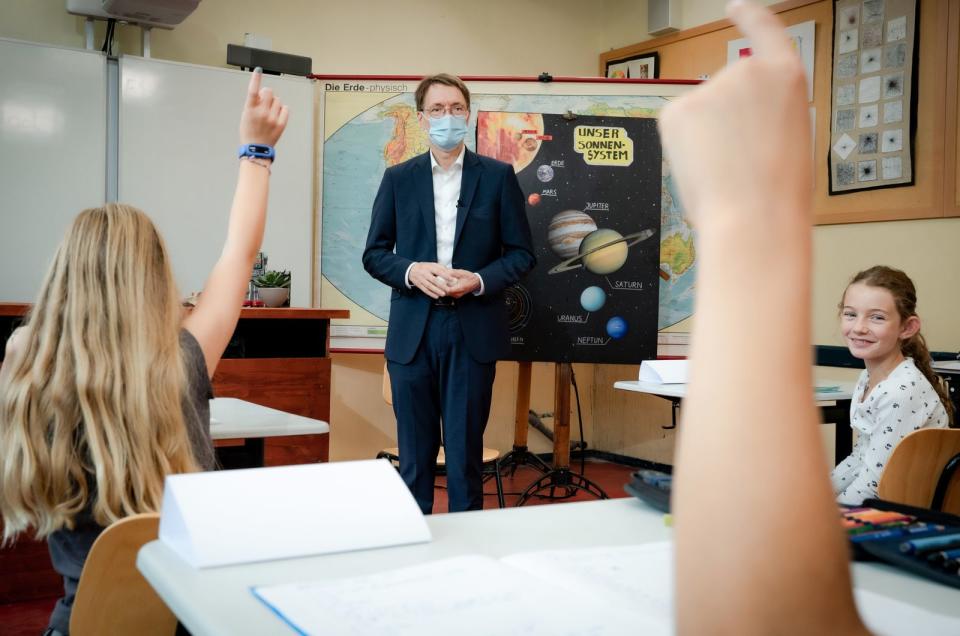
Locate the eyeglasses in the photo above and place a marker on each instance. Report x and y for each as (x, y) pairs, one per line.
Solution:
(437, 110)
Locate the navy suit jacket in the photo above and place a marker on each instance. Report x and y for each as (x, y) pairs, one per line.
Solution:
(492, 239)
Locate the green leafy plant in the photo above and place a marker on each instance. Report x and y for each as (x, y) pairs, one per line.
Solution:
(272, 278)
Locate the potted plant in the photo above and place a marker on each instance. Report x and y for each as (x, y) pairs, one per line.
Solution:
(273, 287)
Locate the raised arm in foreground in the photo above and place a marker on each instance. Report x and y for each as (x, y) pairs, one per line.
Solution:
(213, 321)
(758, 540)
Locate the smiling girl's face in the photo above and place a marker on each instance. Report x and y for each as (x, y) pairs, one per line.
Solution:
(872, 326)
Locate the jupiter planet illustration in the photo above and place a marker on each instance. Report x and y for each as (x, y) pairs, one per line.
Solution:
(566, 230)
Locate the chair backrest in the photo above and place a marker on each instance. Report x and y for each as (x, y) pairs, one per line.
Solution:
(387, 392)
(913, 470)
(112, 596)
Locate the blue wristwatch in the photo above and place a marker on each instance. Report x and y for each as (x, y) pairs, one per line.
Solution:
(261, 151)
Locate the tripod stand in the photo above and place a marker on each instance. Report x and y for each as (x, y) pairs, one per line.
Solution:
(560, 477)
(520, 455)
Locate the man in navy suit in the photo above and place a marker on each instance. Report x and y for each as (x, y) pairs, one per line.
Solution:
(448, 234)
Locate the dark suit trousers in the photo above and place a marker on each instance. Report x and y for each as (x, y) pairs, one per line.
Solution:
(443, 386)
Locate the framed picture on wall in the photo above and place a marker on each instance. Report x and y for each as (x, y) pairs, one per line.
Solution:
(874, 95)
(643, 66)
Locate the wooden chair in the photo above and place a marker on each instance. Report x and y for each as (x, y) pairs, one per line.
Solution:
(491, 456)
(112, 596)
(922, 471)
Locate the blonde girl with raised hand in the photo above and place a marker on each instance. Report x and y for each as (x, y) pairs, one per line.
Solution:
(897, 392)
(104, 390)
(759, 548)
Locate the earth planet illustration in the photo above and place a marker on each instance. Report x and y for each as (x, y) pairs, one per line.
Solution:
(602, 251)
(545, 173)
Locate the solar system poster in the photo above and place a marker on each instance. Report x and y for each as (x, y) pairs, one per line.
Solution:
(592, 189)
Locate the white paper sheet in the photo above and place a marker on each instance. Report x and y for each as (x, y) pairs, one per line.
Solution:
(664, 371)
(241, 516)
(885, 616)
(596, 591)
(460, 596)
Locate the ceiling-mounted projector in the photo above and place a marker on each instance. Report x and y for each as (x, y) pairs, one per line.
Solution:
(163, 14)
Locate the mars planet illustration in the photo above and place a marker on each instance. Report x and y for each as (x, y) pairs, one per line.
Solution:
(602, 251)
(533, 200)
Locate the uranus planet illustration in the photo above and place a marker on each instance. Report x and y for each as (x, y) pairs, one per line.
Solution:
(602, 251)
(593, 298)
(616, 327)
(567, 230)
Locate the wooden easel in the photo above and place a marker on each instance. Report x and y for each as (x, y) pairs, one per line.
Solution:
(520, 454)
(559, 476)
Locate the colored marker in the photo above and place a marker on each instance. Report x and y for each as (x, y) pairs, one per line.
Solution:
(853, 532)
(891, 533)
(944, 555)
(930, 544)
(881, 516)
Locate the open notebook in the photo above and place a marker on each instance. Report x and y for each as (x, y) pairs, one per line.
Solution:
(596, 591)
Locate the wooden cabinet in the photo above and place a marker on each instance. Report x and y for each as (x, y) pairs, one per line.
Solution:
(278, 358)
(281, 358)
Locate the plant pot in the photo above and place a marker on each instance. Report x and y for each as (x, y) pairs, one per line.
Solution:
(273, 296)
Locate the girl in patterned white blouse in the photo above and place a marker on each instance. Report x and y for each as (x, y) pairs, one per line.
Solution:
(898, 392)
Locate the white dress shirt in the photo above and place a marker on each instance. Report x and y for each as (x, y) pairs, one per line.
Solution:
(446, 197)
(902, 403)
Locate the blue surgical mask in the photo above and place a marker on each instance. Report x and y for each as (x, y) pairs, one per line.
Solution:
(448, 131)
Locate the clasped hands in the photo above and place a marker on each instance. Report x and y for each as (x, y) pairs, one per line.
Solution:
(436, 281)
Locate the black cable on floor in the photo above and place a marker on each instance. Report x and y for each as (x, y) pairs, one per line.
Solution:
(583, 444)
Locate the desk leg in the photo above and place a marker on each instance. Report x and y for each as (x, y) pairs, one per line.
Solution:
(839, 414)
(247, 455)
(561, 477)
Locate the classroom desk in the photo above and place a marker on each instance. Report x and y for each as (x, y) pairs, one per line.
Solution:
(249, 424)
(834, 406)
(218, 600)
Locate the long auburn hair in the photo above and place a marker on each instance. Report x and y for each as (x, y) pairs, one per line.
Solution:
(91, 416)
(904, 295)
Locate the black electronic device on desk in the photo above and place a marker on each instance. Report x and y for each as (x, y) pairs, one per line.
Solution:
(914, 539)
(652, 487)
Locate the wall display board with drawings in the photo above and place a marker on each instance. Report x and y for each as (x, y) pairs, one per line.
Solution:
(874, 95)
(368, 124)
(592, 186)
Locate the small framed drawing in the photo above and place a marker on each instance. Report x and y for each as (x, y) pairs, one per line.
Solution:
(643, 66)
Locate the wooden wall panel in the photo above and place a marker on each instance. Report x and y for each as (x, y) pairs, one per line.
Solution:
(952, 185)
(295, 385)
(703, 50)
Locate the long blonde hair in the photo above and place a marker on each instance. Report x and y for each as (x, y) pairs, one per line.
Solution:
(92, 413)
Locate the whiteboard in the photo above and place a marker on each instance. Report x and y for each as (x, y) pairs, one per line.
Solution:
(53, 160)
(178, 163)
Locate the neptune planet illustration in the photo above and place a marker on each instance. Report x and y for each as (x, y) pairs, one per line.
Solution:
(593, 298)
(616, 327)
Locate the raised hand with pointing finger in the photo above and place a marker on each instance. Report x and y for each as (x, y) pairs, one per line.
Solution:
(739, 147)
(264, 115)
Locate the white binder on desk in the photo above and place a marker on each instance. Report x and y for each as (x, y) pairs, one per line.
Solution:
(260, 514)
(664, 371)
